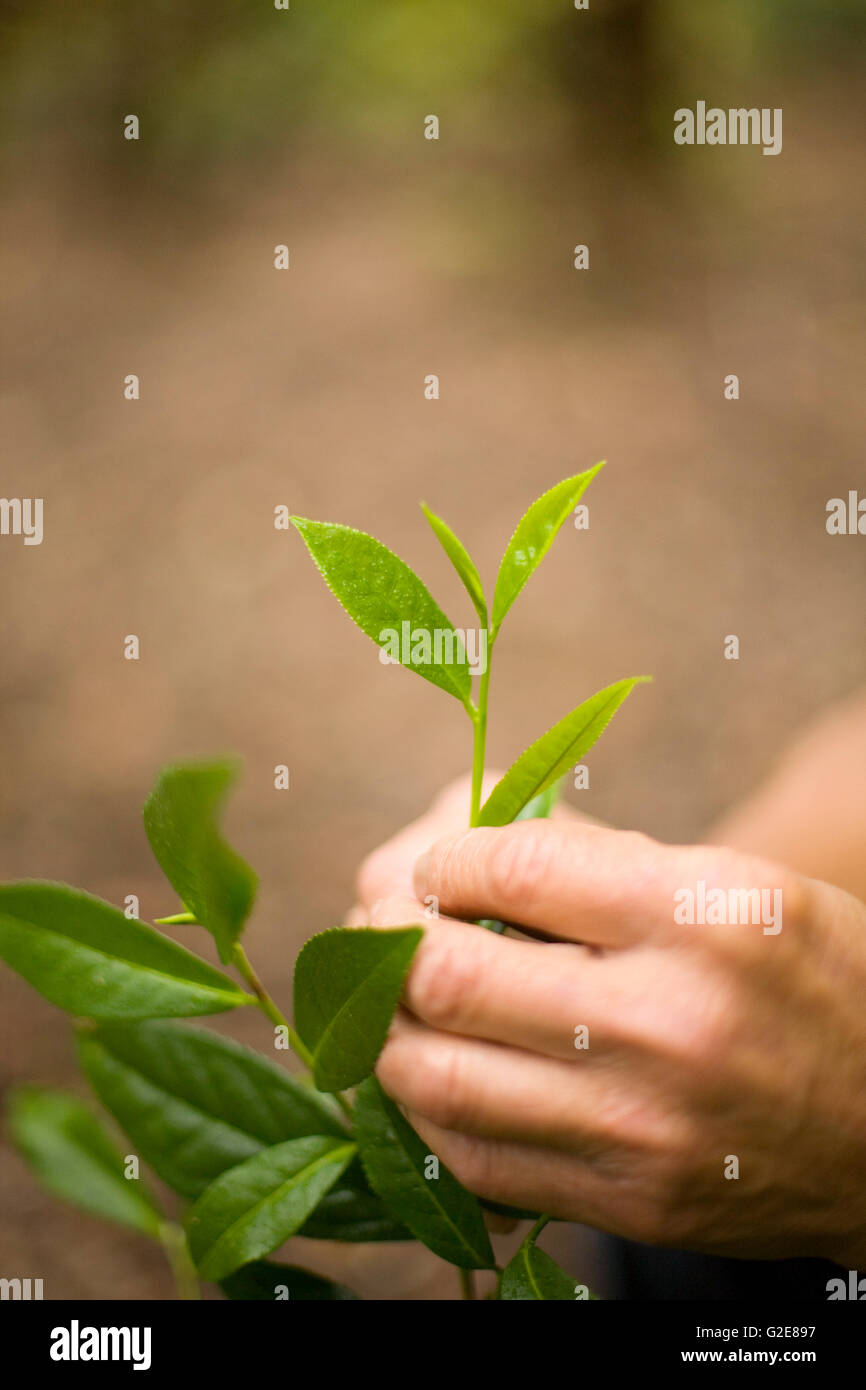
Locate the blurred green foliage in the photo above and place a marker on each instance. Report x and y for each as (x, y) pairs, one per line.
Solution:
(211, 79)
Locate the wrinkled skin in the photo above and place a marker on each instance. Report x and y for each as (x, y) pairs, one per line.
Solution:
(705, 1042)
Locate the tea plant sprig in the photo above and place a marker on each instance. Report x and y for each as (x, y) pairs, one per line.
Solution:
(382, 594)
(255, 1154)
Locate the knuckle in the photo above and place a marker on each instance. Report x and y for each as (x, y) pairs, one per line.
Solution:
(519, 865)
(798, 901)
(718, 863)
(708, 1044)
(695, 1030)
(473, 1164)
(745, 903)
(642, 845)
(443, 1095)
(445, 982)
(706, 1029)
(646, 1163)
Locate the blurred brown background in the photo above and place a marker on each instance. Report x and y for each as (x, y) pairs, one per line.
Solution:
(409, 257)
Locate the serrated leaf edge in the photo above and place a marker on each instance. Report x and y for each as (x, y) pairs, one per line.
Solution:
(463, 696)
(443, 1214)
(552, 776)
(478, 601)
(309, 1171)
(411, 927)
(588, 474)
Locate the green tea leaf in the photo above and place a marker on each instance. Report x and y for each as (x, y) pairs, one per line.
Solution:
(85, 956)
(535, 534)
(351, 1212)
(214, 884)
(438, 1211)
(252, 1208)
(541, 806)
(544, 762)
(73, 1157)
(461, 560)
(195, 1103)
(532, 1276)
(389, 603)
(348, 983)
(266, 1281)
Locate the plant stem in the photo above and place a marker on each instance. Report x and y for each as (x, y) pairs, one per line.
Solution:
(537, 1229)
(173, 1240)
(270, 1010)
(479, 748)
(479, 742)
(267, 1005)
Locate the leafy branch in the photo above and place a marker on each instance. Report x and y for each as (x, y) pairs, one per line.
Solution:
(256, 1154)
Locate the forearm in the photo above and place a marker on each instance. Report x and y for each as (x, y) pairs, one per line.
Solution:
(811, 812)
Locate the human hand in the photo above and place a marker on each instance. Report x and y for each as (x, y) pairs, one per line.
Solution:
(706, 1043)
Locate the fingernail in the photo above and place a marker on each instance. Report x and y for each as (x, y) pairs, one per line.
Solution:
(421, 873)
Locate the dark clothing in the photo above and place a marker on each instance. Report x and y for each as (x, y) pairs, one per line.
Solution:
(641, 1272)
